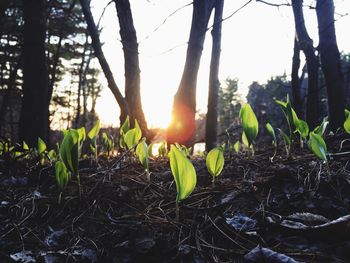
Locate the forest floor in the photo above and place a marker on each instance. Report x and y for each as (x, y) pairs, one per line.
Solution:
(296, 207)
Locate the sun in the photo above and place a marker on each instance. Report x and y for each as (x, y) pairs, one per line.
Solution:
(157, 111)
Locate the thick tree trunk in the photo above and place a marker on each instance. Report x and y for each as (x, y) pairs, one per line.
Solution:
(183, 126)
(131, 63)
(34, 113)
(96, 43)
(330, 61)
(306, 45)
(211, 125)
(297, 102)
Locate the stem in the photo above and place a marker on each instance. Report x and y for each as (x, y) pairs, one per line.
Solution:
(148, 176)
(59, 198)
(78, 179)
(213, 181)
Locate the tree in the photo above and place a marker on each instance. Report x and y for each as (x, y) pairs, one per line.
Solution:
(34, 113)
(131, 63)
(306, 45)
(296, 96)
(96, 43)
(229, 104)
(331, 64)
(214, 83)
(182, 127)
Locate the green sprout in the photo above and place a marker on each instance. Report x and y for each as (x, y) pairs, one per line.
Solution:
(347, 121)
(318, 146)
(184, 175)
(130, 137)
(287, 141)
(250, 126)
(186, 150)
(215, 162)
(142, 153)
(321, 129)
(70, 151)
(162, 150)
(301, 127)
(122, 131)
(93, 138)
(272, 133)
(108, 143)
(62, 178)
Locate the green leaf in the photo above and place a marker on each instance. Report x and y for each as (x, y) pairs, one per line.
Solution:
(69, 151)
(142, 153)
(318, 146)
(122, 131)
(52, 154)
(82, 134)
(215, 161)
(271, 131)
(150, 150)
(320, 130)
(41, 146)
(236, 146)
(301, 126)
(62, 175)
(184, 173)
(347, 124)
(285, 138)
(249, 122)
(347, 113)
(132, 137)
(245, 140)
(94, 131)
(25, 146)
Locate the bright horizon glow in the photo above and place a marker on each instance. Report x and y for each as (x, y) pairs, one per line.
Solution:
(257, 43)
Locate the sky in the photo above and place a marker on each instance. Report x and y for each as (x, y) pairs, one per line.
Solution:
(257, 43)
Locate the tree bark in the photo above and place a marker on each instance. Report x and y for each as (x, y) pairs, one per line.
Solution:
(34, 113)
(306, 45)
(183, 125)
(297, 102)
(330, 61)
(131, 63)
(96, 43)
(211, 125)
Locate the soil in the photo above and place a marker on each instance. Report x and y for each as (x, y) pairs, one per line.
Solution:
(296, 206)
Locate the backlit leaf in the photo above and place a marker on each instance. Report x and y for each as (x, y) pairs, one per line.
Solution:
(249, 123)
(184, 173)
(215, 161)
(318, 146)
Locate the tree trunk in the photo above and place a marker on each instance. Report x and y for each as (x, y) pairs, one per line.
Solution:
(131, 63)
(182, 128)
(3, 6)
(306, 45)
(211, 125)
(81, 71)
(330, 61)
(34, 113)
(11, 83)
(297, 102)
(96, 43)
